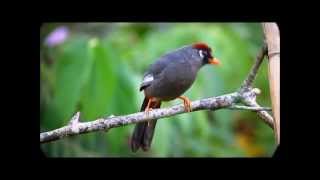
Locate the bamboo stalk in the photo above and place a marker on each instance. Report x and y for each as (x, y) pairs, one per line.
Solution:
(272, 37)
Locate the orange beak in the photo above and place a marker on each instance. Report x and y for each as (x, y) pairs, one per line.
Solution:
(214, 61)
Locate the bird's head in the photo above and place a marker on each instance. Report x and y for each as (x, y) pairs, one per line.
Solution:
(205, 54)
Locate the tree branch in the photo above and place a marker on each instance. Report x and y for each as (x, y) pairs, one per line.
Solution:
(254, 70)
(238, 107)
(213, 103)
(248, 98)
(245, 95)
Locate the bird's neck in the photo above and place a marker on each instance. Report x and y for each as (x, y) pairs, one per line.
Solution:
(195, 66)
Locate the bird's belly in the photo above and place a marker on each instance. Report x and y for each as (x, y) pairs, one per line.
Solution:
(169, 89)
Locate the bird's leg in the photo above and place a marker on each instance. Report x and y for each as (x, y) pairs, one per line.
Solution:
(148, 108)
(186, 103)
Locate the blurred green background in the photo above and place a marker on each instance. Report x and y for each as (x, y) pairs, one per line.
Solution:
(96, 68)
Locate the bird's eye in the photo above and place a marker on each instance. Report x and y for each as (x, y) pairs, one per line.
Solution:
(201, 54)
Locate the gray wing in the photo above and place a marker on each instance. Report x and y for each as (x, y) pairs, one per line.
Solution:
(157, 68)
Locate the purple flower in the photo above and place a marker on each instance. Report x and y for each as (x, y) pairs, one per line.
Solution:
(58, 36)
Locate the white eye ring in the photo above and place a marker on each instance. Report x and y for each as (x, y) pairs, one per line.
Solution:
(201, 54)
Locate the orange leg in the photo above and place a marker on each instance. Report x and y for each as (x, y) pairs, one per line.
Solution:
(148, 109)
(148, 106)
(187, 103)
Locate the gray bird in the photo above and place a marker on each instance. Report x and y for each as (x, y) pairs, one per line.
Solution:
(167, 79)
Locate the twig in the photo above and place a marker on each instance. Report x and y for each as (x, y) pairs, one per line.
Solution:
(238, 107)
(253, 72)
(248, 97)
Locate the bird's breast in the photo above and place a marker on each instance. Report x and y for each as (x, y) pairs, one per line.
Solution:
(173, 82)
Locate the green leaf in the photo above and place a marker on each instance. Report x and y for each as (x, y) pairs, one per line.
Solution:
(98, 91)
(70, 65)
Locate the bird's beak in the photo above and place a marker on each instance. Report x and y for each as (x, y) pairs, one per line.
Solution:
(214, 61)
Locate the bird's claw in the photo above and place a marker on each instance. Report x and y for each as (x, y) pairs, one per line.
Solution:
(147, 111)
(147, 114)
(186, 103)
(187, 106)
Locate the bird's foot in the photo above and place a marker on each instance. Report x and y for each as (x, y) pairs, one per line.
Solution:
(149, 105)
(148, 108)
(147, 113)
(186, 103)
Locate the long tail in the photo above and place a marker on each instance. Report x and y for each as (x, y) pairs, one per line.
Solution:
(143, 134)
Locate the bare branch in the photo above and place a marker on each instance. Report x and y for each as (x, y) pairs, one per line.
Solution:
(238, 107)
(213, 103)
(254, 70)
(75, 119)
(248, 98)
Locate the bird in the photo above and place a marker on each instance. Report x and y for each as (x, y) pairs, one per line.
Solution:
(167, 79)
